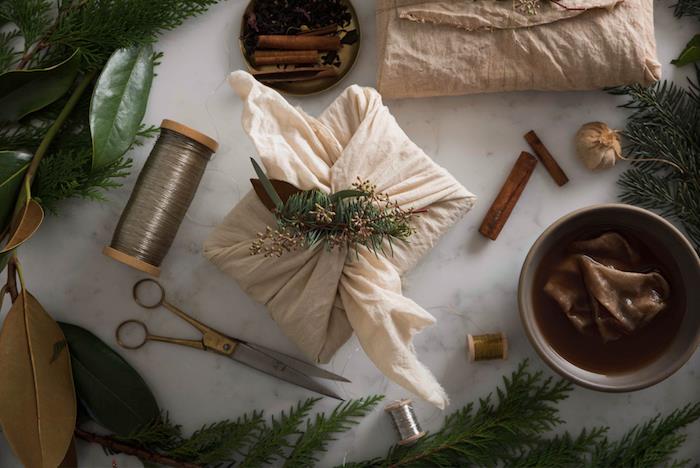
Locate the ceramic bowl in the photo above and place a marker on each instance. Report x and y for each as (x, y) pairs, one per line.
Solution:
(629, 218)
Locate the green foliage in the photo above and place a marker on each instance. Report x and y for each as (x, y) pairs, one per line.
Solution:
(30, 17)
(664, 124)
(323, 428)
(687, 8)
(99, 27)
(345, 219)
(250, 440)
(561, 450)
(649, 444)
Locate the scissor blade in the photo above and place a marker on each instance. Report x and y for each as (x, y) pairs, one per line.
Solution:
(299, 365)
(256, 359)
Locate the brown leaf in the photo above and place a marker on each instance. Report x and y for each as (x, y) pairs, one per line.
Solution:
(37, 399)
(30, 221)
(71, 458)
(284, 190)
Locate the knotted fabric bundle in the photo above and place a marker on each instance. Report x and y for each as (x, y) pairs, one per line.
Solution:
(319, 296)
(429, 48)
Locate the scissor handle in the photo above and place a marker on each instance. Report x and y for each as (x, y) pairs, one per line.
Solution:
(120, 329)
(139, 300)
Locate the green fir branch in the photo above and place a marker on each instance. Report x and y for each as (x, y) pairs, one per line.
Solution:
(272, 441)
(323, 429)
(687, 8)
(31, 17)
(561, 450)
(649, 444)
(492, 432)
(664, 124)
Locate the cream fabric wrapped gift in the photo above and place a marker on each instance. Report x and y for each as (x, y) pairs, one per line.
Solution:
(430, 48)
(320, 297)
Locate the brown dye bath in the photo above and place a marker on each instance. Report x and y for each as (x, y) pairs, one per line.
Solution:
(588, 350)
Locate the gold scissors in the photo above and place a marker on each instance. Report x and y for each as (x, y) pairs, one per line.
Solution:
(258, 357)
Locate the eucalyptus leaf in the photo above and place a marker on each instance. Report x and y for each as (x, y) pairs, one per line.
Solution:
(267, 185)
(119, 103)
(25, 91)
(37, 399)
(342, 194)
(13, 165)
(690, 54)
(113, 393)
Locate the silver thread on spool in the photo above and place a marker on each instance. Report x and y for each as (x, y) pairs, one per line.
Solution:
(162, 194)
(405, 421)
(487, 346)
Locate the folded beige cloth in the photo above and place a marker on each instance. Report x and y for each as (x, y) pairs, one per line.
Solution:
(431, 48)
(320, 297)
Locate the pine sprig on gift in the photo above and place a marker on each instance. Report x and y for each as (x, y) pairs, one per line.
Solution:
(665, 124)
(345, 219)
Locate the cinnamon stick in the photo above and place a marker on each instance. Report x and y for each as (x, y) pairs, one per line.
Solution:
(298, 42)
(295, 74)
(503, 205)
(284, 57)
(546, 157)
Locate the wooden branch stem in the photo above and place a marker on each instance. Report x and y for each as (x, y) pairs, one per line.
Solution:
(121, 447)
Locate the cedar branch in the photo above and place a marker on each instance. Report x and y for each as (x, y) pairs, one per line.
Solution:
(141, 453)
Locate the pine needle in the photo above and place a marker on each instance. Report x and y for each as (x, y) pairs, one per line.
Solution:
(665, 124)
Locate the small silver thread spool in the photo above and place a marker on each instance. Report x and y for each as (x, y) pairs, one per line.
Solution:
(162, 194)
(405, 421)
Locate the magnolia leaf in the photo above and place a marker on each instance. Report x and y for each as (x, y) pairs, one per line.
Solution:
(37, 400)
(690, 54)
(111, 391)
(272, 194)
(13, 165)
(283, 189)
(25, 91)
(29, 222)
(71, 458)
(119, 103)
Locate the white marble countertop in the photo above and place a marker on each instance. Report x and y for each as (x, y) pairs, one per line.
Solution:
(467, 282)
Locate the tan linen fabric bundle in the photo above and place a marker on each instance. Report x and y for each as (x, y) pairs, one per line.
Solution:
(432, 48)
(320, 297)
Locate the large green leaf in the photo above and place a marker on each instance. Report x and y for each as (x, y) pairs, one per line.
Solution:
(690, 54)
(25, 91)
(119, 103)
(111, 391)
(13, 165)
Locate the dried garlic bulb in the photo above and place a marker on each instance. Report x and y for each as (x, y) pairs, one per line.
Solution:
(598, 145)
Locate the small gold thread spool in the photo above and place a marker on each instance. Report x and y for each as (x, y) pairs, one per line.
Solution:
(488, 346)
(405, 421)
(161, 196)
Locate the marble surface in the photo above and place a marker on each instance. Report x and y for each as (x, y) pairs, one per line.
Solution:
(467, 282)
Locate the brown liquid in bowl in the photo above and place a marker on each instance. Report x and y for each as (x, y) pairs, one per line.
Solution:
(589, 351)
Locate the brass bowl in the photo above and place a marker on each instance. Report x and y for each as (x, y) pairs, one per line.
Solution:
(681, 252)
(348, 56)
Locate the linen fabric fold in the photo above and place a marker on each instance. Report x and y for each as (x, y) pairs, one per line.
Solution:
(431, 48)
(319, 297)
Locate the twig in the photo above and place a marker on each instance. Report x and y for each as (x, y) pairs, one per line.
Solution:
(24, 61)
(141, 453)
(559, 4)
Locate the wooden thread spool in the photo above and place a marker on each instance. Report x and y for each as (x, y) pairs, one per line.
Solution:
(488, 346)
(161, 196)
(405, 421)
